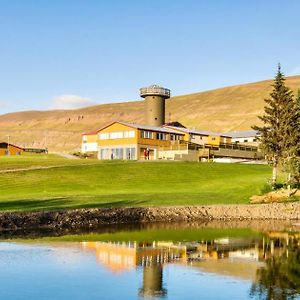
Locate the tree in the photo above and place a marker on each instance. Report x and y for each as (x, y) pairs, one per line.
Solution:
(279, 278)
(291, 150)
(277, 126)
(292, 157)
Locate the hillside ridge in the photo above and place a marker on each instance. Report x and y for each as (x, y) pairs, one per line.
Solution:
(222, 109)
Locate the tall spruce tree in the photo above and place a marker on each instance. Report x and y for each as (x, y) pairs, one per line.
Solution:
(277, 121)
(293, 161)
(290, 155)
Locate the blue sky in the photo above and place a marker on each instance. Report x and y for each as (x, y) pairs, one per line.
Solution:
(69, 53)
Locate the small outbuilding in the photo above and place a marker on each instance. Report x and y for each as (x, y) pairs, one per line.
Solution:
(10, 149)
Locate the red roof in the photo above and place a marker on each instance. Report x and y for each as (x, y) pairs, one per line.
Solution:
(91, 132)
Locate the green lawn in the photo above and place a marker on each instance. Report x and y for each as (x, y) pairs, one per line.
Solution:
(30, 160)
(90, 183)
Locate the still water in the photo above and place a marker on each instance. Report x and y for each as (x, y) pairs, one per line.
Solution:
(162, 261)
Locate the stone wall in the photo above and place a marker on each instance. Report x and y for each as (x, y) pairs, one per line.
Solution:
(90, 218)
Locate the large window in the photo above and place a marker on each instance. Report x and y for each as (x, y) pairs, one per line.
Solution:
(129, 134)
(130, 153)
(146, 134)
(116, 135)
(174, 137)
(104, 136)
(161, 136)
(117, 153)
(104, 154)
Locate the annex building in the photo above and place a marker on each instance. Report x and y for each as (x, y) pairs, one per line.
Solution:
(10, 149)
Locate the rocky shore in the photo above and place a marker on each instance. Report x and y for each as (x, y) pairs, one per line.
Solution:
(90, 218)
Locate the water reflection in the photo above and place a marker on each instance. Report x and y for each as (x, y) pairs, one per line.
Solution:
(167, 261)
(279, 278)
(270, 261)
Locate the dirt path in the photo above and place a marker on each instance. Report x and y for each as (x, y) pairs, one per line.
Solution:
(66, 155)
(41, 168)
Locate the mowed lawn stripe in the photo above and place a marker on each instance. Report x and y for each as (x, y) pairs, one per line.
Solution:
(131, 184)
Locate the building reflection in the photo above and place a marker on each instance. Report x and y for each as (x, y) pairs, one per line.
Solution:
(256, 259)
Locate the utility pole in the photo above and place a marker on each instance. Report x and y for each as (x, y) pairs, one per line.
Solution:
(8, 137)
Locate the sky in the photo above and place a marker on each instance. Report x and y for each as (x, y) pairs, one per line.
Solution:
(73, 53)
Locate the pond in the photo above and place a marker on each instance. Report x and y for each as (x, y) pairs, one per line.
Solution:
(217, 260)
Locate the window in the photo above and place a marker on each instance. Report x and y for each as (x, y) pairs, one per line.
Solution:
(129, 134)
(245, 141)
(130, 153)
(254, 140)
(116, 135)
(213, 138)
(117, 153)
(174, 137)
(161, 136)
(146, 134)
(104, 154)
(104, 136)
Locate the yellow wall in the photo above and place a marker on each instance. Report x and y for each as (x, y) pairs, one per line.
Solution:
(186, 137)
(89, 138)
(217, 140)
(226, 140)
(116, 127)
(214, 140)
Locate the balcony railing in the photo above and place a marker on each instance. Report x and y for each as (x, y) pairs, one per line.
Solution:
(155, 90)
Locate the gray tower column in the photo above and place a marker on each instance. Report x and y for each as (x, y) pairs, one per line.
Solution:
(155, 97)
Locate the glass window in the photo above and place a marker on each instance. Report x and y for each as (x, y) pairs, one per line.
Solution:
(161, 136)
(174, 137)
(116, 135)
(146, 134)
(129, 134)
(104, 136)
(130, 153)
(104, 154)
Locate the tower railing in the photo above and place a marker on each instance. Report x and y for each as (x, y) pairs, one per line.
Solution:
(155, 90)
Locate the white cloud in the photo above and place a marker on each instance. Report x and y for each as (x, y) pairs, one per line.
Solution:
(70, 102)
(3, 104)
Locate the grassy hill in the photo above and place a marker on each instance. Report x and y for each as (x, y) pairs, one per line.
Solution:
(49, 182)
(225, 109)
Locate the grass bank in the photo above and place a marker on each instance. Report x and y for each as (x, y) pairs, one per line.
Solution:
(89, 183)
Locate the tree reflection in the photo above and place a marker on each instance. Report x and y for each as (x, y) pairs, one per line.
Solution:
(279, 279)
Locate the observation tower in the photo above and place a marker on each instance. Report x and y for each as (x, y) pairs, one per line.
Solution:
(155, 97)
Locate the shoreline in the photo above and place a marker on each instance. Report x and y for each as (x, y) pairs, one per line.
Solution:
(97, 217)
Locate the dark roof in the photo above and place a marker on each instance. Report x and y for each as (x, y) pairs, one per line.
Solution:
(150, 128)
(6, 144)
(199, 132)
(175, 124)
(243, 134)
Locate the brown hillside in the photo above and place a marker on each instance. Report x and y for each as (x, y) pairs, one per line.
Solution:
(225, 109)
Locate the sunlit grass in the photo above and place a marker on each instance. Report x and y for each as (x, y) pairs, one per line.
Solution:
(90, 183)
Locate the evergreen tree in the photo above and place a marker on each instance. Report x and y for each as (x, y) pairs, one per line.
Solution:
(277, 126)
(292, 155)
